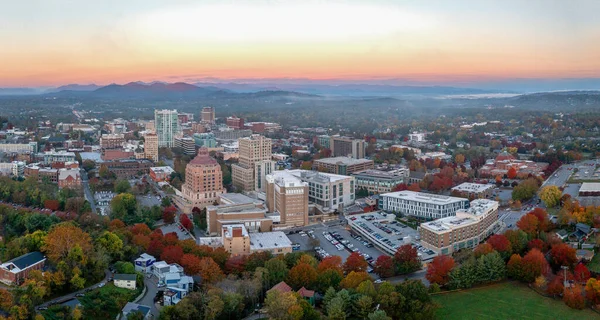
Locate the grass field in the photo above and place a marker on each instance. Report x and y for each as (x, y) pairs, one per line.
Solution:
(505, 301)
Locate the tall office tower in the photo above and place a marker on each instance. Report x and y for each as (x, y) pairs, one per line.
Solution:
(203, 180)
(151, 146)
(347, 147)
(254, 163)
(208, 115)
(167, 127)
(287, 195)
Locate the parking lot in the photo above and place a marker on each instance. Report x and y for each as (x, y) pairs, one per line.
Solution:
(182, 234)
(148, 200)
(103, 199)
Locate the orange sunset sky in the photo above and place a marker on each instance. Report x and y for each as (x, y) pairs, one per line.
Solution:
(55, 42)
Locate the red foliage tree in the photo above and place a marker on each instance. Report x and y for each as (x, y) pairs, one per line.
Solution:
(533, 265)
(170, 239)
(400, 187)
(51, 204)
(529, 223)
(169, 214)
(190, 263)
(220, 256)
(483, 249)
(186, 222)
(172, 254)
(141, 241)
(140, 228)
(538, 244)
(414, 187)
(355, 262)
(439, 268)
(573, 297)
(384, 266)
(500, 243)
(236, 264)
(581, 273)
(543, 218)
(563, 255)
(116, 224)
(407, 259)
(157, 234)
(555, 287)
(209, 270)
(333, 262)
(155, 248)
(512, 173)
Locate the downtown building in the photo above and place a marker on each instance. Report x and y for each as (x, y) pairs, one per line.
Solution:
(151, 146)
(287, 199)
(255, 153)
(167, 127)
(203, 183)
(422, 205)
(342, 165)
(347, 147)
(328, 192)
(466, 229)
(380, 181)
(207, 115)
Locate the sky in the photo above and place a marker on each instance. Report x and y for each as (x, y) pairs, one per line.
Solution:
(56, 42)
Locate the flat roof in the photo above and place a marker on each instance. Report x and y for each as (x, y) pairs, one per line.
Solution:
(269, 240)
(285, 178)
(237, 198)
(165, 169)
(228, 232)
(391, 174)
(590, 187)
(344, 160)
(423, 197)
(448, 223)
(472, 187)
(308, 175)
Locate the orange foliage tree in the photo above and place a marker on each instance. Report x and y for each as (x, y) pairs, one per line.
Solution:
(533, 265)
(512, 173)
(353, 279)
(302, 275)
(172, 254)
(333, 262)
(62, 238)
(483, 249)
(439, 268)
(563, 255)
(209, 270)
(190, 263)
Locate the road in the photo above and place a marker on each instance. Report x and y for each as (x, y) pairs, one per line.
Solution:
(148, 298)
(107, 274)
(86, 190)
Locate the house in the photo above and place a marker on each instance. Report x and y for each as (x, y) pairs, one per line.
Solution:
(585, 255)
(161, 268)
(172, 296)
(562, 234)
(131, 308)
(282, 287)
(582, 231)
(172, 276)
(69, 178)
(308, 295)
(144, 263)
(126, 281)
(16, 270)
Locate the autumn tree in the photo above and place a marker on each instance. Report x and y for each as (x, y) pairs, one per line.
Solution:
(555, 287)
(414, 187)
(62, 238)
(302, 275)
(514, 267)
(573, 297)
(438, 269)
(6, 299)
(501, 244)
(236, 264)
(329, 278)
(172, 254)
(538, 244)
(140, 228)
(581, 273)
(529, 224)
(186, 222)
(169, 214)
(355, 262)
(518, 240)
(563, 255)
(209, 270)
(483, 249)
(190, 264)
(281, 305)
(407, 259)
(353, 279)
(592, 291)
(111, 243)
(123, 206)
(511, 173)
(332, 262)
(543, 218)
(550, 195)
(384, 266)
(533, 264)
(459, 159)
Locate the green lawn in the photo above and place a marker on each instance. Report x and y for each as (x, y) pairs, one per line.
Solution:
(594, 265)
(505, 301)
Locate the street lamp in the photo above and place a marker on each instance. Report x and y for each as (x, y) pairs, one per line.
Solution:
(565, 268)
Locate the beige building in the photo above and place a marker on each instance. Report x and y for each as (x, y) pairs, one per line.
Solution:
(236, 208)
(465, 230)
(207, 115)
(151, 146)
(254, 163)
(203, 181)
(287, 195)
(347, 147)
(236, 239)
(342, 165)
(112, 141)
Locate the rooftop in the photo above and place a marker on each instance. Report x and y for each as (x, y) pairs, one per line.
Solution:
(344, 160)
(125, 277)
(285, 179)
(131, 307)
(269, 240)
(590, 187)
(473, 187)
(236, 198)
(229, 229)
(480, 206)
(392, 174)
(203, 158)
(423, 197)
(165, 169)
(23, 262)
(307, 175)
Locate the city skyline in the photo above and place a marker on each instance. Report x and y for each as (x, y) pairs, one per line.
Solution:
(432, 42)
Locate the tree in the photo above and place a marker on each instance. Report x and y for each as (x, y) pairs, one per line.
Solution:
(123, 206)
(353, 279)
(573, 297)
(532, 265)
(525, 190)
(124, 267)
(355, 262)
(169, 214)
(62, 238)
(406, 259)
(362, 306)
(529, 224)
(459, 159)
(501, 244)
(328, 263)
(122, 186)
(329, 278)
(186, 222)
(6, 299)
(384, 266)
(111, 243)
(209, 270)
(378, 315)
(581, 273)
(482, 249)
(514, 267)
(278, 304)
(592, 291)
(550, 195)
(140, 228)
(563, 255)
(414, 187)
(518, 240)
(302, 275)
(190, 264)
(512, 173)
(543, 218)
(439, 269)
(538, 244)
(277, 271)
(367, 288)
(172, 254)
(555, 287)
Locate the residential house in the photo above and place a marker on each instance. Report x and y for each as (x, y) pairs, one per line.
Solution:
(131, 308)
(127, 281)
(144, 263)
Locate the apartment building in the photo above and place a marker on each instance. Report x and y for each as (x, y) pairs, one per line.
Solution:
(347, 147)
(236, 240)
(207, 115)
(151, 146)
(167, 127)
(380, 181)
(422, 205)
(465, 230)
(112, 141)
(254, 163)
(187, 144)
(342, 165)
(287, 196)
(235, 123)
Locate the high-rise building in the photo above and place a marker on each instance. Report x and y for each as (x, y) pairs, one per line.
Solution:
(208, 115)
(347, 147)
(167, 127)
(254, 163)
(287, 195)
(203, 180)
(186, 144)
(151, 146)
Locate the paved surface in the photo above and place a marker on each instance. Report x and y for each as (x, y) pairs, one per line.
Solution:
(86, 190)
(148, 298)
(510, 217)
(182, 234)
(148, 200)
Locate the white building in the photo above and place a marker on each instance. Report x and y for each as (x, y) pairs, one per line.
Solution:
(274, 242)
(144, 263)
(127, 281)
(417, 136)
(422, 205)
(475, 190)
(327, 190)
(167, 127)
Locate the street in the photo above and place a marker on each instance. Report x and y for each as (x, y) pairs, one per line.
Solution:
(107, 274)
(86, 190)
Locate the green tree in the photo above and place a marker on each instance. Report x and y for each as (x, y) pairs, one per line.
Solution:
(277, 271)
(362, 306)
(379, 315)
(123, 207)
(111, 243)
(122, 186)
